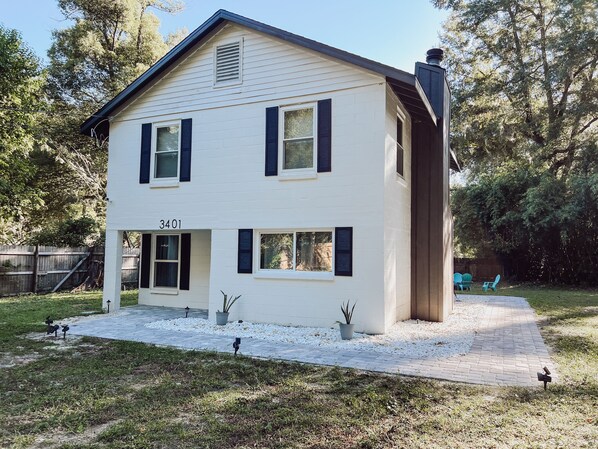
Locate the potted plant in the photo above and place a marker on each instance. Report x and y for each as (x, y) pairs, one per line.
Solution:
(347, 327)
(222, 317)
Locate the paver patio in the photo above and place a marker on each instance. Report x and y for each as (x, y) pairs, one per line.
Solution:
(507, 348)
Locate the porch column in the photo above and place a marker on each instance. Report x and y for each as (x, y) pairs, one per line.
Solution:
(113, 260)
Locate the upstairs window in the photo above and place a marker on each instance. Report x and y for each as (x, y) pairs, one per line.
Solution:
(298, 142)
(400, 150)
(166, 151)
(166, 261)
(228, 67)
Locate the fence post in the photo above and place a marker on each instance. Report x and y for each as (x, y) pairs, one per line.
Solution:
(35, 268)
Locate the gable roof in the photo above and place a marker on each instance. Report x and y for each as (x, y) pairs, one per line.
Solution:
(404, 84)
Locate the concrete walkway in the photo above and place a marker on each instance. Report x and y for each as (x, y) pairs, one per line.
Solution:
(507, 348)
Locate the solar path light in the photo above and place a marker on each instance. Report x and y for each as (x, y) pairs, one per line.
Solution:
(544, 377)
(237, 344)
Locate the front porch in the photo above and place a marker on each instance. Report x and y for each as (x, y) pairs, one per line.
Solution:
(174, 271)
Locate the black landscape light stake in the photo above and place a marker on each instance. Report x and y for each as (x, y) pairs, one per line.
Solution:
(108, 304)
(49, 322)
(544, 377)
(187, 311)
(237, 344)
(65, 328)
(53, 329)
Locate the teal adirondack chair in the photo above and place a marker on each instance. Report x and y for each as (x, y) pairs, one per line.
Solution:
(467, 281)
(458, 281)
(490, 284)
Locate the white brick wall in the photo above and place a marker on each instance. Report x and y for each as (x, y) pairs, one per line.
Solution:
(228, 188)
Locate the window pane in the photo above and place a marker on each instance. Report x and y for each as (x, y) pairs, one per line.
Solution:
(166, 165)
(166, 274)
(299, 123)
(400, 160)
(167, 247)
(276, 252)
(299, 154)
(314, 251)
(168, 139)
(399, 131)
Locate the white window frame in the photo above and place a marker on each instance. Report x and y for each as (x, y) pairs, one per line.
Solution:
(228, 83)
(164, 290)
(297, 173)
(174, 180)
(401, 118)
(290, 274)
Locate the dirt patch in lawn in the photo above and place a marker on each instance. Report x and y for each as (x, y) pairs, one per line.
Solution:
(56, 342)
(56, 439)
(8, 360)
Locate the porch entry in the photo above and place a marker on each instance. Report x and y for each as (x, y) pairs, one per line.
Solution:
(174, 268)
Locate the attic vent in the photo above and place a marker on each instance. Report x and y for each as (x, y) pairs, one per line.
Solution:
(227, 65)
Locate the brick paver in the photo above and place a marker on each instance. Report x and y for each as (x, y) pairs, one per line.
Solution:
(507, 348)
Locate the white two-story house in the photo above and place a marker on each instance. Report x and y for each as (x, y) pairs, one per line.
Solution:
(297, 175)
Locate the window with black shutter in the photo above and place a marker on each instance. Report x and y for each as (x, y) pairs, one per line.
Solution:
(299, 139)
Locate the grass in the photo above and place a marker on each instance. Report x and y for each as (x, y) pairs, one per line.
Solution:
(107, 394)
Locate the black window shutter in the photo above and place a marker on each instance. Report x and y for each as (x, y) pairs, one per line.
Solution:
(272, 141)
(343, 252)
(244, 260)
(186, 127)
(185, 261)
(325, 135)
(146, 153)
(146, 260)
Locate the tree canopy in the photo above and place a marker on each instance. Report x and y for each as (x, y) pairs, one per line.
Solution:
(524, 79)
(21, 98)
(51, 176)
(111, 43)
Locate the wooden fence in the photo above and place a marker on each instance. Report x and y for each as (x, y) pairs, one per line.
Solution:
(42, 269)
(482, 268)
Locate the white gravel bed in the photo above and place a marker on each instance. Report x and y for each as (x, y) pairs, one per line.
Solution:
(412, 338)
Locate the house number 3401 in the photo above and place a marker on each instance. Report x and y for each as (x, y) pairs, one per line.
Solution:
(170, 224)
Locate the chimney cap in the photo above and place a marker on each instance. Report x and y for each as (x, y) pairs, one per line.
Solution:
(434, 56)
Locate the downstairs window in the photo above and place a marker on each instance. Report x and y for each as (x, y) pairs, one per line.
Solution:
(298, 251)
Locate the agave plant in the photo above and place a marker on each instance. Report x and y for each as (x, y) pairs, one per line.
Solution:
(228, 302)
(346, 312)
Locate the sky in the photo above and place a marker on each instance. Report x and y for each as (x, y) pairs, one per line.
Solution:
(394, 32)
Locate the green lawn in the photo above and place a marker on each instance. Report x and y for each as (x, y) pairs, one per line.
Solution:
(97, 393)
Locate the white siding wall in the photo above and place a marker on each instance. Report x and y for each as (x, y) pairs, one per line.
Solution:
(397, 217)
(272, 70)
(228, 189)
(197, 295)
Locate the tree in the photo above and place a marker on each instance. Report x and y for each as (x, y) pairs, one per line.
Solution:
(21, 99)
(524, 77)
(110, 44)
(69, 233)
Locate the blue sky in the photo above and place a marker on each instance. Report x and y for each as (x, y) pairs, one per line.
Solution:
(395, 32)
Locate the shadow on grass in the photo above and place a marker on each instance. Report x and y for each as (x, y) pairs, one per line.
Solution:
(192, 399)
